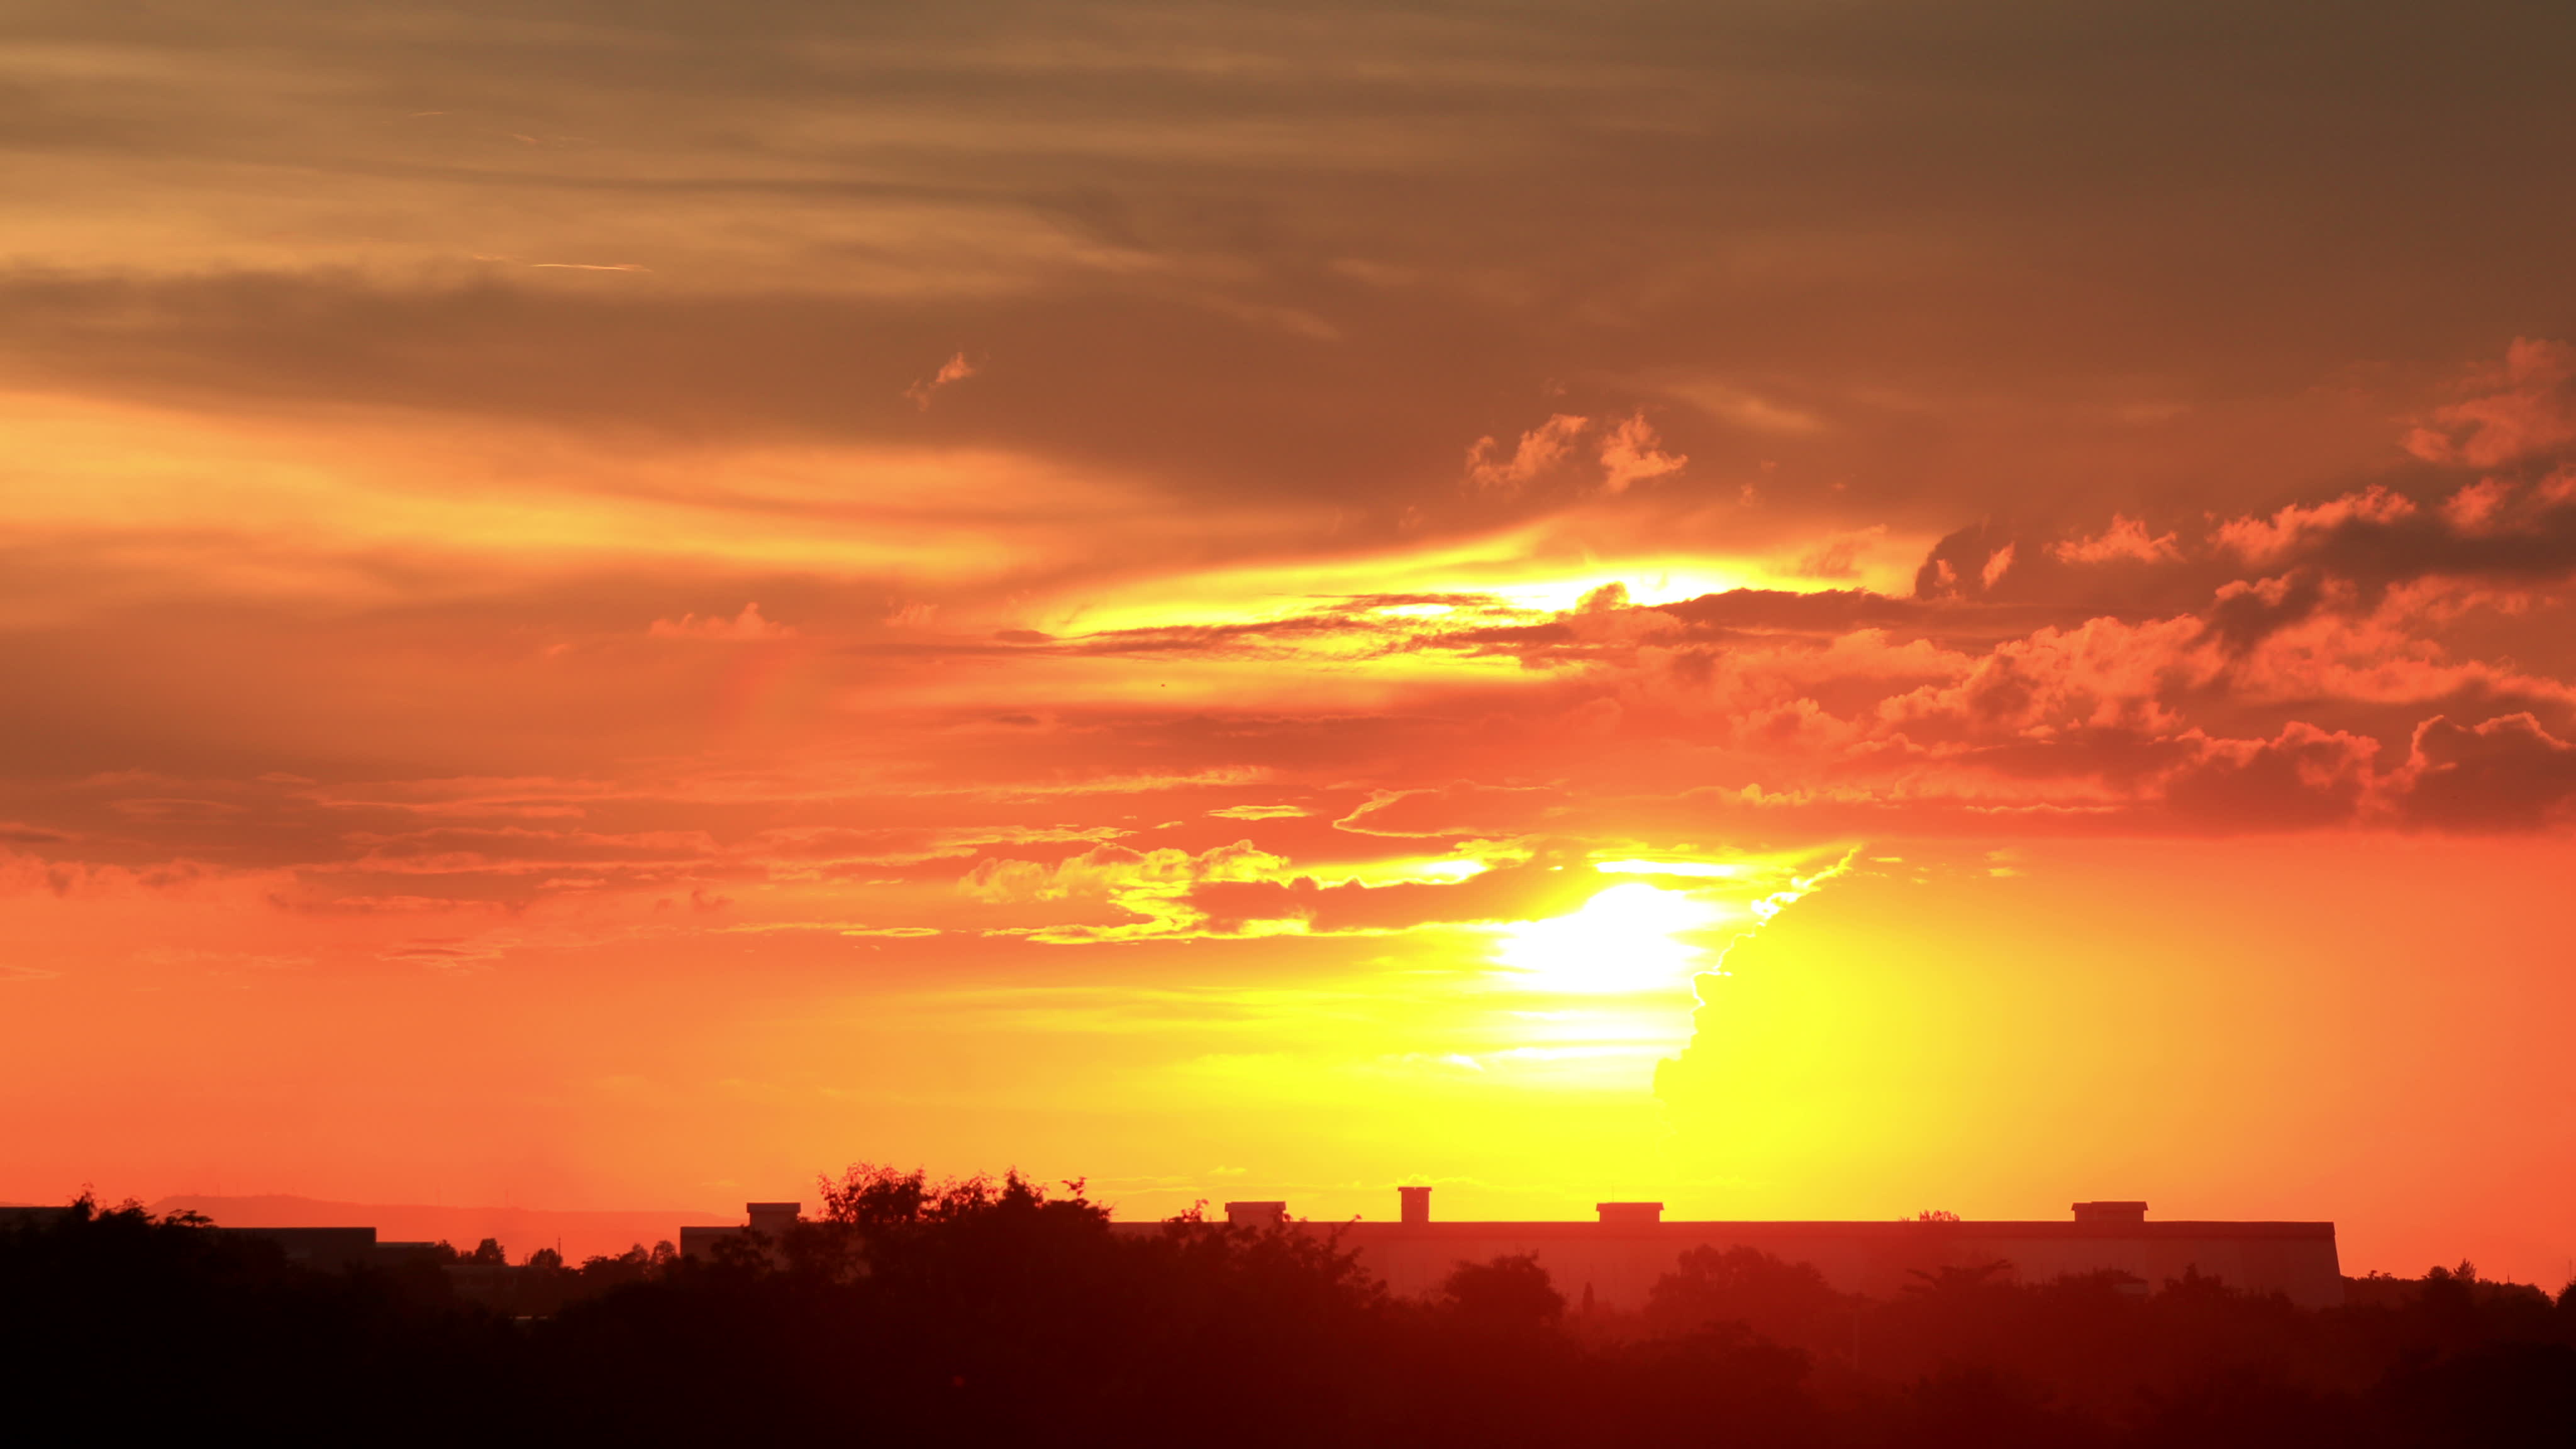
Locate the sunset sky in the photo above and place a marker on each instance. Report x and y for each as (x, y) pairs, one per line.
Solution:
(1802, 609)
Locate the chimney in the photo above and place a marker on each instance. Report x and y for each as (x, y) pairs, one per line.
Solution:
(1627, 1213)
(1256, 1214)
(772, 1219)
(2110, 1212)
(1417, 1203)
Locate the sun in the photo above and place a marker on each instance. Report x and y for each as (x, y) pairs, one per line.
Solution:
(1625, 939)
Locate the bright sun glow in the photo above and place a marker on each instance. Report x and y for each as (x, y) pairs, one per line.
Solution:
(1624, 939)
(1711, 869)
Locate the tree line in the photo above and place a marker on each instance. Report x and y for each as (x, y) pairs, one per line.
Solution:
(997, 1311)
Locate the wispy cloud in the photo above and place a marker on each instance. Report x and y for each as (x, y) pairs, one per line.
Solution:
(955, 370)
(747, 626)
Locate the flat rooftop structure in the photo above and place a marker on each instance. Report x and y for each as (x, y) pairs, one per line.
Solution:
(1616, 1259)
(327, 1249)
(771, 1220)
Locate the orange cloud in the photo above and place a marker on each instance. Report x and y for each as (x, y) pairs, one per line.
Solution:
(955, 370)
(2261, 541)
(745, 626)
(1540, 449)
(2534, 411)
(2126, 539)
(2506, 773)
(1461, 809)
(1631, 453)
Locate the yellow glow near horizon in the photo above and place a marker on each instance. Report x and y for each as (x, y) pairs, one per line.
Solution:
(1708, 869)
(1625, 939)
(1523, 569)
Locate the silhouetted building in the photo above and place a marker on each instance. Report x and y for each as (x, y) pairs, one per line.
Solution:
(332, 1249)
(769, 1219)
(1617, 1259)
(327, 1249)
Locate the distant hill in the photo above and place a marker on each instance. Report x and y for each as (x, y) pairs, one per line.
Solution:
(521, 1230)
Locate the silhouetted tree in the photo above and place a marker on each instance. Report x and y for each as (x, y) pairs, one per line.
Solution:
(1511, 1291)
(1786, 1302)
(989, 1311)
(117, 1326)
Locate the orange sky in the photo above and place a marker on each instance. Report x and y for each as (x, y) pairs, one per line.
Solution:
(1804, 611)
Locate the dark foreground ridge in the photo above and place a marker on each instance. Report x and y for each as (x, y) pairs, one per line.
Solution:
(992, 1312)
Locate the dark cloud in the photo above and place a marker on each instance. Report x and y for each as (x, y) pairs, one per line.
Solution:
(2253, 575)
(2245, 612)
(2505, 774)
(2525, 535)
(1826, 611)
(2305, 778)
(1317, 255)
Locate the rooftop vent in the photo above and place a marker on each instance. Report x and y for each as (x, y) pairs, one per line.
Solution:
(1630, 1212)
(1256, 1214)
(1417, 1203)
(773, 1219)
(2110, 1212)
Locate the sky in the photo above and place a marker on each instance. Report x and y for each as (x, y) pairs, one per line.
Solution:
(1817, 609)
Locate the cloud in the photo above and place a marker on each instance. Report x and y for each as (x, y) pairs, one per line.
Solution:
(2532, 411)
(744, 627)
(219, 961)
(2507, 773)
(1632, 453)
(1527, 891)
(1840, 558)
(301, 488)
(2352, 547)
(1749, 411)
(2246, 611)
(2300, 528)
(2304, 777)
(2125, 540)
(1689, 1076)
(1151, 887)
(2375, 537)
(1764, 909)
(1768, 611)
(450, 953)
(1997, 564)
(1541, 449)
(1461, 809)
(2478, 506)
(174, 810)
(2102, 676)
(955, 370)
